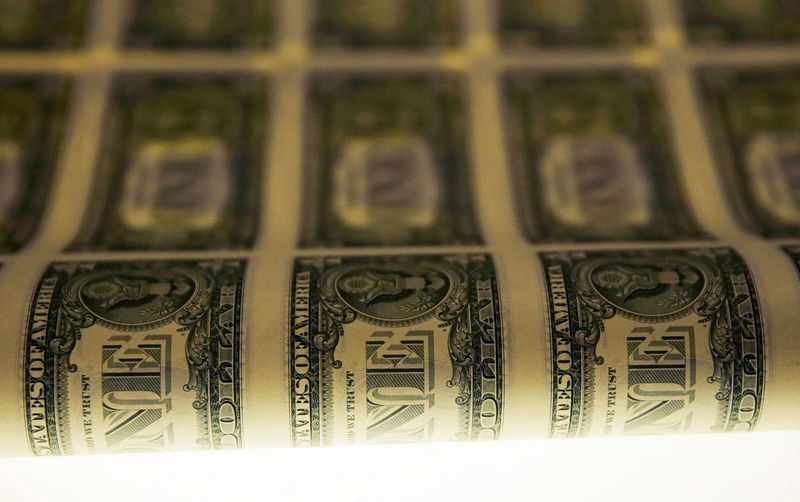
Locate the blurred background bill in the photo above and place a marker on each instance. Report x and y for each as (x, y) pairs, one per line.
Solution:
(593, 158)
(386, 162)
(180, 166)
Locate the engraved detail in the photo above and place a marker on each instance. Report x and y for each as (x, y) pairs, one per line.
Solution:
(139, 301)
(398, 295)
(369, 344)
(647, 289)
(646, 309)
(106, 343)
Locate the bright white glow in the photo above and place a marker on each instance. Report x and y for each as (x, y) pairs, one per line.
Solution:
(711, 467)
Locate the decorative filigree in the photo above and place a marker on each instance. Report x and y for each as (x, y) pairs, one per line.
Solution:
(452, 311)
(199, 355)
(463, 355)
(453, 306)
(75, 318)
(193, 317)
(712, 298)
(336, 309)
(326, 342)
(724, 352)
(721, 338)
(724, 326)
(594, 309)
(337, 313)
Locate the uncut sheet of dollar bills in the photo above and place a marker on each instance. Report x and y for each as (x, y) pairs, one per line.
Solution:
(252, 223)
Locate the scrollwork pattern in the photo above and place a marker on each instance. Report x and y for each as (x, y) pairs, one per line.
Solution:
(463, 356)
(593, 311)
(337, 313)
(75, 318)
(199, 356)
(453, 306)
(723, 332)
(192, 317)
(452, 311)
(326, 342)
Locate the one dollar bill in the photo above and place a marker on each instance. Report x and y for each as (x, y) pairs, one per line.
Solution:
(134, 357)
(653, 342)
(395, 350)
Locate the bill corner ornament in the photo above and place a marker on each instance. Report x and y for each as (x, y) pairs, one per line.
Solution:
(134, 356)
(653, 342)
(395, 350)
